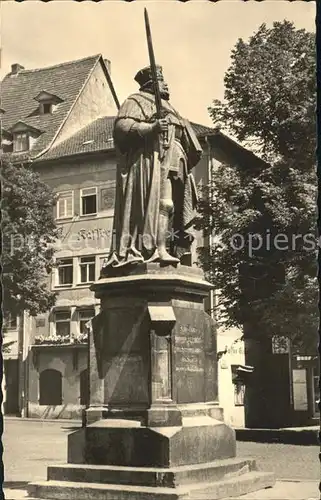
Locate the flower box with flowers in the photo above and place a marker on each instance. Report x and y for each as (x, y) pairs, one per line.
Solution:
(60, 340)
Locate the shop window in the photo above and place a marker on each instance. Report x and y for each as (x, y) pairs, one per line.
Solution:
(241, 376)
(62, 323)
(87, 269)
(65, 205)
(239, 393)
(50, 388)
(65, 272)
(84, 388)
(84, 316)
(300, 390)
(88, 201)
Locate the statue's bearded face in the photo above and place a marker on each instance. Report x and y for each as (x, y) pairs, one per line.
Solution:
(163, 89)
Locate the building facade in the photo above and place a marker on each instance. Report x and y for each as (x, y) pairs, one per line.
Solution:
(292, 395)
(42, 112)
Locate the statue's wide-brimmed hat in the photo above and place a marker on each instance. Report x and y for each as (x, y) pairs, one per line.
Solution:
(144, 75)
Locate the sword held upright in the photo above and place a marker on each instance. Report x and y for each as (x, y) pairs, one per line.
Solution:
(158, 100)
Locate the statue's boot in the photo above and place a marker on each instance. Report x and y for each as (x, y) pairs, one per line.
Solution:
(164, 256)
(154, 258)
(133, 257)
(161, 254)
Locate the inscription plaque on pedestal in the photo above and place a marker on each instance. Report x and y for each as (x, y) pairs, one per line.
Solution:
(195, 353)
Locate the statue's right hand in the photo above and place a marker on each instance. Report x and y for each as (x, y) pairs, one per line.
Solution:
(161, 125)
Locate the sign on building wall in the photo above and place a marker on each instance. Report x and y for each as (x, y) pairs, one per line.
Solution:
(107, 198)
(280, 345)
(40, 322)
(80, 235)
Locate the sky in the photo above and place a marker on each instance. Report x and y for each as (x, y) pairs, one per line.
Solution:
(192, 41)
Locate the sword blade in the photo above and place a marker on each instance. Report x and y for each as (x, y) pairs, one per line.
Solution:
(152, 62)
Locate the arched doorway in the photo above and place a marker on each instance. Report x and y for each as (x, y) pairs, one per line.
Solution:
(50, 387)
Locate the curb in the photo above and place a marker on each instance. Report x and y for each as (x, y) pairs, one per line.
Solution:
(307, 437)
(44, 420)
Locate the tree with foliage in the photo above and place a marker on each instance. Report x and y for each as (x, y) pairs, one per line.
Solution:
(264, 259)
(28, 236)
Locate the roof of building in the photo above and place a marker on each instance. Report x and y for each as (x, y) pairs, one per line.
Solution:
(203, 130)
(98, 137)
(222, 141)
(18, 93)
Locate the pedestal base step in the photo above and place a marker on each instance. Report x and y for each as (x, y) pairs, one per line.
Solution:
(170, 477)
(234, 486)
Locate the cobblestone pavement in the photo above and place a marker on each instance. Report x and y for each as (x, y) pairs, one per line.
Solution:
(30, 446)
(287, 461)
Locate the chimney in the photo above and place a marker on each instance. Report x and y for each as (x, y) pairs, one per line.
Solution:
(15, 68)
(108, 64)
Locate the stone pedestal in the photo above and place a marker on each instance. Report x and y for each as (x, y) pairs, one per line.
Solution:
(154, 429)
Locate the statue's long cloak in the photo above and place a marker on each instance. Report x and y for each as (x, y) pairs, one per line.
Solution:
(138, 177)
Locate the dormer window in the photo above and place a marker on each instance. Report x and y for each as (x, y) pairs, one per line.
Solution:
(47, 102)
(46, 108)
(24, 136)
(21, 142)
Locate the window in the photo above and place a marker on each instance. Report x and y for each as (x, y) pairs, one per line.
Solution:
(62, 323)
(87, 269)
(88, 202)
(239, 392)
(84, 316)
(65, 205)
(10, 321)
(21, 142)
(65, 272)
(50, 388)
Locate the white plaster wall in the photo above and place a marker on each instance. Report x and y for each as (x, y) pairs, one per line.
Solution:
(95, 101)
(233, 415)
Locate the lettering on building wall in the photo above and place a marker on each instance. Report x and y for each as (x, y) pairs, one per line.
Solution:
(93, 234)
(236, 350)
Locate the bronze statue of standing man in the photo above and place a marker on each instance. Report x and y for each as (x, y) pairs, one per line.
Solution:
(155, 190)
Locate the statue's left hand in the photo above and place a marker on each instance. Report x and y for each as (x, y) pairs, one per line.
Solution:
(161, 125)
